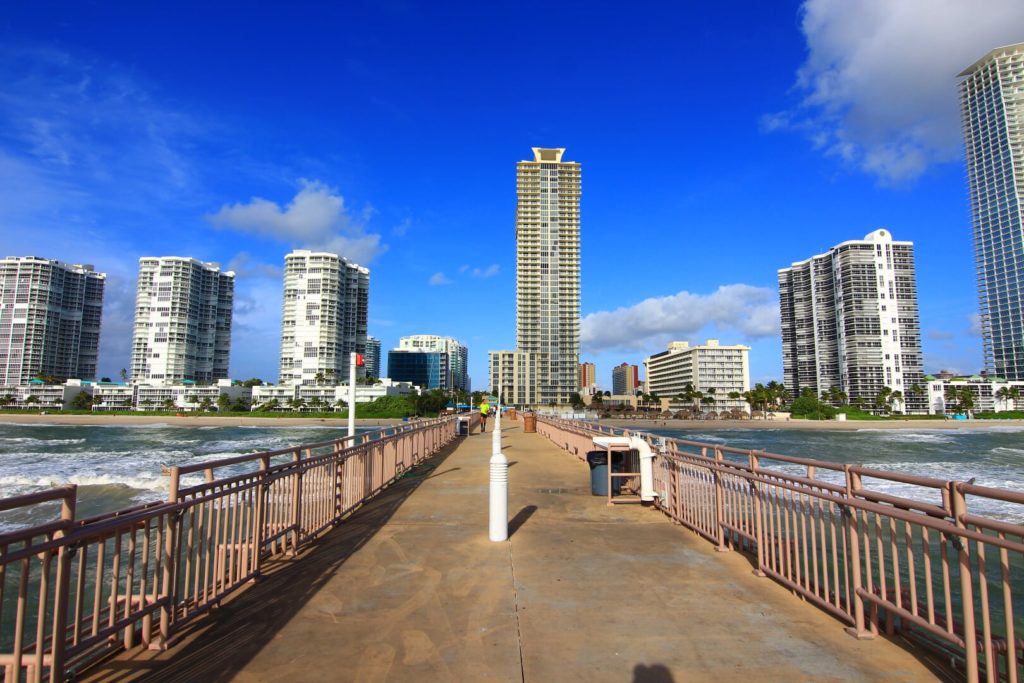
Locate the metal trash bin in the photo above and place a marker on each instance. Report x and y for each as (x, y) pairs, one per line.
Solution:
(529, 423)
(598, 461)
(462, 428)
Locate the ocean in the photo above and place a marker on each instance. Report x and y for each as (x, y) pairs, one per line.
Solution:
(119, 466)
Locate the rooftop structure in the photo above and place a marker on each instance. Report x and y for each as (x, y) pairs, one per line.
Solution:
(457, 370)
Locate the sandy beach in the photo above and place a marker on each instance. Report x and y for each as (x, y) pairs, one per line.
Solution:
(816, 425)
(189, 420)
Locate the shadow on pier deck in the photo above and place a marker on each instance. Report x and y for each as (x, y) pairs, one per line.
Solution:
(410, 589)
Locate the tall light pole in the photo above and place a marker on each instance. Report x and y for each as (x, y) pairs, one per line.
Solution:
(499, 482)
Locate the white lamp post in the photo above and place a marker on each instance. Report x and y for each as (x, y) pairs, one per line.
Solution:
(352, 396)
(499, 482)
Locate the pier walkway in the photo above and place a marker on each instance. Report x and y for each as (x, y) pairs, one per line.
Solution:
(411, 589)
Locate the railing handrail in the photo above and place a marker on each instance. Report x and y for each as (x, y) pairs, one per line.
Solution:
(145, 571)
(870, 558)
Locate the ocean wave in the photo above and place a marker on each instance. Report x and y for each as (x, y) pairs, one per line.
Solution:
(29, 441)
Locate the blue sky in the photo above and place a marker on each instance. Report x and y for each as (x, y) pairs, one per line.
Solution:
(719, 142)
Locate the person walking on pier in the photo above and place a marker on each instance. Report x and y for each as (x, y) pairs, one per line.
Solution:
(485, 409)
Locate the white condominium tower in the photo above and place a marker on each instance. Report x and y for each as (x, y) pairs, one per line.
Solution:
(324, 316)
(849, 320)
(992, 104)
(547, 279)
(182, 321)
(49, 319)
(458, 355)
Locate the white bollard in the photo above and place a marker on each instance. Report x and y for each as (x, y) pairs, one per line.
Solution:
(499, 497)
(499, 484)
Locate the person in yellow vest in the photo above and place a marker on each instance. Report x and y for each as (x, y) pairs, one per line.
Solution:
(485, 409)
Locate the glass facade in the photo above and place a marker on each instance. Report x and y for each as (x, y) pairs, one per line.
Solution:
(425, 369)
(992, 105)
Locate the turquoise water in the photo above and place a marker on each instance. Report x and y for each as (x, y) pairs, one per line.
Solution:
(992, 456)
(120, 466)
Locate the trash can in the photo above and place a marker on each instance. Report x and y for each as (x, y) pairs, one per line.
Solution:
(462, 428)
(598, 461)
(529, 423)
(511, 413)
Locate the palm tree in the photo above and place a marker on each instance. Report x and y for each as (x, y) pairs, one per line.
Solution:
(318, 378)
(895, 398)
(882, 403)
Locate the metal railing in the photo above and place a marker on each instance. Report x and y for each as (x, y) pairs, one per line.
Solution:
(75, 590)
(922, 563)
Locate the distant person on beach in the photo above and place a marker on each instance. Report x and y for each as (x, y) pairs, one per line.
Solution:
(485, 410)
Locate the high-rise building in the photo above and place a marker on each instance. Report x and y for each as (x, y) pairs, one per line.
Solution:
(548, 277)
(372, 357)
(324, 317)
(458, 357)
(182, 321)
(714, 370)
(49, 319)
(850, 320)
(588, 378)
(992, 104)
(625, 379)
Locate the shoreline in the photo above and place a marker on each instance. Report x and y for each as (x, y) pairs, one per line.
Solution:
(191, 421)
(813, 425)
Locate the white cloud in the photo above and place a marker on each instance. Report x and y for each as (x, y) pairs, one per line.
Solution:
(489, 271)
(316, 218)
(439, 279)
(244, 267)
(750, 311)
(974, 325)
(940, 335)
(879, 82)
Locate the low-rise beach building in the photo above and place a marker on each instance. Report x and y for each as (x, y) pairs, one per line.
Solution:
(946, 396)
(720, 373)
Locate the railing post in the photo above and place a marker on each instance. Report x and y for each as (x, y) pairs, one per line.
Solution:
(719, 506)
(260, 532)
(754, 461)
(167, 586)
(859, 630)
(60, 599)
(297, 500)
(959, 501)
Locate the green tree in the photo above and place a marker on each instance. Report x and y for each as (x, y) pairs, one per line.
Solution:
(223, 403)
(206, 404)
(81, 401)
(296, 404)
(124, 374)
(808, 405)
(168, 404)
(240, 405)
(31, 399)
(576, 401)
(252, 382)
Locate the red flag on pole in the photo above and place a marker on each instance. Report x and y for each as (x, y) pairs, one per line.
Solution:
(360, 360)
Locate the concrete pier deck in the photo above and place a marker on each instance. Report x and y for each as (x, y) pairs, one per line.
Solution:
(411, 589)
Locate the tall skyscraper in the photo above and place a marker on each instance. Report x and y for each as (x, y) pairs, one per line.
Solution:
(49, 319)
(326, 299)
(458, 357)
(182, 321)
(992, 104)
(547, 278)
(625, 379)
(588, 377)
(850, 320)
(372, 357)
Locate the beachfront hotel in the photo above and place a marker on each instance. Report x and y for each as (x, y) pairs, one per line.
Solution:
(711, 368)
(992, 106)
(49, 319)
(324, 316)
(850, 320)
(545, 370)
(182, 321)
(626, 379)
